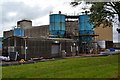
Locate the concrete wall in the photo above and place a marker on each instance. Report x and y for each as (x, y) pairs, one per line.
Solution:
(24, 24)
(8, 33)
(37, 31)
(104, 33)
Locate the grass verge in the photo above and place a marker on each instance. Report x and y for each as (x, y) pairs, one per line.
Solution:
(92, 67)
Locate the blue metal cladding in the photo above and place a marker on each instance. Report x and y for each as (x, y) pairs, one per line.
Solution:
(84, 24)
(57, 24)
(3, 38)
(0, 44)
(59, 34)
(86, 38)
(85, 27)
(18, 32)
(86, 32)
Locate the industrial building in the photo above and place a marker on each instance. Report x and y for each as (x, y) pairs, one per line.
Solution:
(34, 42)
(24, 24)
(106, 34)
(27, 48)
(116, 45)
(35, 31)
(66, 35)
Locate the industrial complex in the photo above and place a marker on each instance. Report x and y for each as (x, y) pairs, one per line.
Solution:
(66, 35)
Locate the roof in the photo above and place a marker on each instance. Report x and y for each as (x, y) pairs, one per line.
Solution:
(24, 20)
(60, 39)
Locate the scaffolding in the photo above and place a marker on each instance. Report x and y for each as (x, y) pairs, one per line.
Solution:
(79, 28)
(89, 45)
(72, 26)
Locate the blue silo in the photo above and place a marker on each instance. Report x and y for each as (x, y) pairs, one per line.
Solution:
(18, 32)
(57, 25)
(85, 28)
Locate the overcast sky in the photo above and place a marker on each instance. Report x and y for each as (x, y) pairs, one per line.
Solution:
(36, 10)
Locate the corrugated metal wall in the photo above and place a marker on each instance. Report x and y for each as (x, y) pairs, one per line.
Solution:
(13, 42)
(37, 47)
(84, 24)
(85, 27)
(18, 32)
(57, 24)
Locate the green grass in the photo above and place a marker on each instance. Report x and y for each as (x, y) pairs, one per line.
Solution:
(92, 67)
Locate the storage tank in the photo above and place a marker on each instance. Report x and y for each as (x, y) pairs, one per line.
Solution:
(85, 27)
(57, 25)
(18, 31)
(24, 24)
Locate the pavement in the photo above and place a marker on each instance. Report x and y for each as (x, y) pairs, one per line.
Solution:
(10, 63)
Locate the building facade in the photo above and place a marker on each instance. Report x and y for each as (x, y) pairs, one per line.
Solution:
(28, 48)
(24, 24)
(105, 33)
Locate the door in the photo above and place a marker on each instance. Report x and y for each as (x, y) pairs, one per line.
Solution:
(55, 49)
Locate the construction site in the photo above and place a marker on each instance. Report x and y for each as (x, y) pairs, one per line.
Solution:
(66, 35)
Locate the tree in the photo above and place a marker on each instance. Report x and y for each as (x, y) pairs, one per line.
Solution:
(102, 12)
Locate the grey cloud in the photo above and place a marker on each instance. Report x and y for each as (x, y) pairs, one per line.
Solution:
(22, 10)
